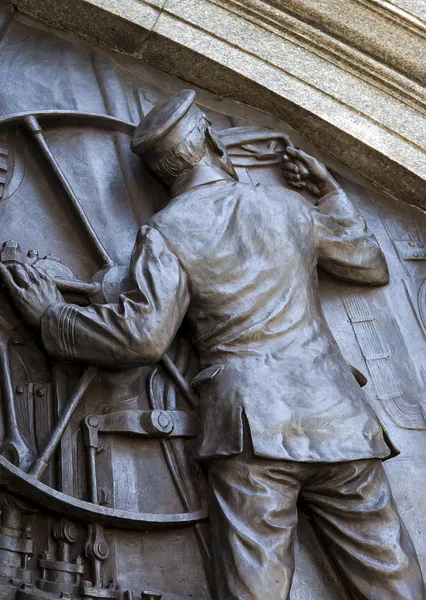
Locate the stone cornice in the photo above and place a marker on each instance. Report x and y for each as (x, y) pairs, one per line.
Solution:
(397, 14)
(414, 8)
(379, 28)
(331, 49)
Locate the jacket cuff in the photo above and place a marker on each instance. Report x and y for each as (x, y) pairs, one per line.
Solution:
(335, 195)
(58, 330)
(337, 204)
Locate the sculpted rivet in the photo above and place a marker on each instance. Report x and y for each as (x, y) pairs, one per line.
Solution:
(162, 421)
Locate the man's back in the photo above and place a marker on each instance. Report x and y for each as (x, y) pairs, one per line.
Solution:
(251, 260)
(250, 253)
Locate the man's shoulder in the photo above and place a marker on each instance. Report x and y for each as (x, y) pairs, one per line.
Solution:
(196, 205)
(278, 191)
(202, 209)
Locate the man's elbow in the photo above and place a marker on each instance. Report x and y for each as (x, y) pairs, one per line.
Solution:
(377, 272)
(156, 352)
(146, 351)
(379, 277)
(372, 273)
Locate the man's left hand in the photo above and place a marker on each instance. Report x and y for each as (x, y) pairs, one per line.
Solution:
(32, 291)
(304, 171)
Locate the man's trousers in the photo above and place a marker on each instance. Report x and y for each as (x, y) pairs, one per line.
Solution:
(254, 518)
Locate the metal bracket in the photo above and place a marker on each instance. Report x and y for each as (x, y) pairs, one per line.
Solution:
(142, 423)
(411, 250)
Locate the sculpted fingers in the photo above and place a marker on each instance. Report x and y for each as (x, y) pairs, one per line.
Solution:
(32, 273)
(302, 158)
(294, 171)
(303, 170)
(49, 285)
(295, 152)
(291, 167)
(294, 165)
(319, 181)
(300, 185)
(19, 275)
(286, 139)
(293, 177)
(314, 189)
(42, 274)
(8, 280)
(37, 276)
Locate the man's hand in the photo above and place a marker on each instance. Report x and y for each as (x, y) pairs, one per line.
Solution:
(306, 172)
(32, 291)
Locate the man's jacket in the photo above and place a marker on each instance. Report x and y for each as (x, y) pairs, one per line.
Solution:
(240, 261)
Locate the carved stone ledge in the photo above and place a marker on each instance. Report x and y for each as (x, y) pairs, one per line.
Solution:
(417, 8)
(379, 28)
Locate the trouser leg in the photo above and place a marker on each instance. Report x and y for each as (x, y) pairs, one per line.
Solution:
(253, 522)
(357, 519)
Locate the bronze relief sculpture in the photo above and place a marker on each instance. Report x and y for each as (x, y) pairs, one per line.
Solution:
(282, 416)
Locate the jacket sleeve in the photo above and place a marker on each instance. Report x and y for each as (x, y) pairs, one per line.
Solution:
(345, 246)
(139, 328)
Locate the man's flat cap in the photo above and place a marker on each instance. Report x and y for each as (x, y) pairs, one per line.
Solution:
(167, 124)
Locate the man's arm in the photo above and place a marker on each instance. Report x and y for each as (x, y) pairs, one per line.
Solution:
(138, 329)
(345, 246)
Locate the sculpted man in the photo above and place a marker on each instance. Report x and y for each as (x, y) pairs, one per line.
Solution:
(281, 414)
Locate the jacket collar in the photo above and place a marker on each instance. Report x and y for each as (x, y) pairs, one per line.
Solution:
(197, 176)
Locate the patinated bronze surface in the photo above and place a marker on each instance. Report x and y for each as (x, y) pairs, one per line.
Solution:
(197, 376)
(240, 262)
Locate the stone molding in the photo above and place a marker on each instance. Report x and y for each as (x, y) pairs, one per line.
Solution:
(403, 17)
(380, 28)
(332, 49)
(352, 89)
(416, 8)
